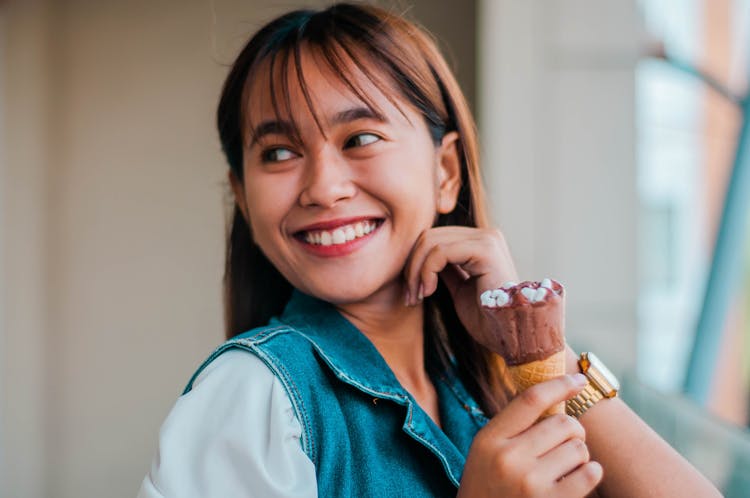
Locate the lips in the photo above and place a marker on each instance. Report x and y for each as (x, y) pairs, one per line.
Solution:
(340, 235)
(337, 238)
(339, 231)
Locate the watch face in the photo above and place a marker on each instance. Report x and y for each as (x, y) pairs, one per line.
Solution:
(605, 380)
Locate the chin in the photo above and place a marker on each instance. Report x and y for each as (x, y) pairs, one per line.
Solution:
(344, 294)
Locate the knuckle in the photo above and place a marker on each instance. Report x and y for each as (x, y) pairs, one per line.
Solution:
(502, 463)
(496, 234)
(436, 252)
(570, 384)
(488, 443)
(560, 420)
(529, 485)
(591, 474)
(573, 426)
(578, 429)
(532, 397)
(433, 260)
(483, 437)
(581, 449)
(498, 239)
(420, 243)
(423, 236)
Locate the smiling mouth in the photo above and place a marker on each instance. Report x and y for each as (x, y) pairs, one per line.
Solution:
(339, 235)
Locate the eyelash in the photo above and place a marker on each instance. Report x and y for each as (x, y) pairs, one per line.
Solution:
(266, 154)
(377, 138)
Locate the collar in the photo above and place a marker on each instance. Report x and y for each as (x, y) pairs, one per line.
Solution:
(353, 358)
(345, 349)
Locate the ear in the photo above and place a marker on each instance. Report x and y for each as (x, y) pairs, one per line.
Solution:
(448, 173)
(239, 193)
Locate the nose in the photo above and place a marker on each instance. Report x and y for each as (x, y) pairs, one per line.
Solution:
(327, 180)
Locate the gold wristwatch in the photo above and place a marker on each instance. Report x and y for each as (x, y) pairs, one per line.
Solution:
(602, 384)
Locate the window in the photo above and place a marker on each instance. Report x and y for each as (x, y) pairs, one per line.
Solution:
(687, 145)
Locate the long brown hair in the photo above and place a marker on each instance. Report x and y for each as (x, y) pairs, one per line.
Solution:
(396, 55)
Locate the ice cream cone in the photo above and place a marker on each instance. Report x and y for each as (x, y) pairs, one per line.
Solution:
(529, 331)
(533, 372)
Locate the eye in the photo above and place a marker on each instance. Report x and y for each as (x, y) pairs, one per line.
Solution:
(361, 139)
(277, 154)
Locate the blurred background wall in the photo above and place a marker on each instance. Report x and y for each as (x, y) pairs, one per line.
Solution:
(113, 188)
(113, 197)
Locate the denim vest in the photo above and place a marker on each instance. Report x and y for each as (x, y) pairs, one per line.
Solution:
(365, 434)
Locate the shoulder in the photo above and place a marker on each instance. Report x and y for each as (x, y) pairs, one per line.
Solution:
(267, 344)
(236, 377)
(224, 423)
(235, 367)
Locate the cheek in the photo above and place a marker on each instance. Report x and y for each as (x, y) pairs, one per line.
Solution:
(267, 202)
(408, 180)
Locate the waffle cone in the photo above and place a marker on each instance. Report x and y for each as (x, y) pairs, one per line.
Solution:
(533, 372)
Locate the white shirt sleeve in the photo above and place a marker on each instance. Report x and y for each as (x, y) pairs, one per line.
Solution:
(234, 434)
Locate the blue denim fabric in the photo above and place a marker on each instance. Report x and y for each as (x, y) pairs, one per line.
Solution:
(365, 433)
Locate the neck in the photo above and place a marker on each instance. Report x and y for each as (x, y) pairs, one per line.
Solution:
(396, 331)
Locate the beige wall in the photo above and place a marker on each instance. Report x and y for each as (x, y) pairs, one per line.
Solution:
(23, 263)
(112, 224)
(556, 114)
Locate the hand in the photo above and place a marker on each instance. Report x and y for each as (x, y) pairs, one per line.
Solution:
(469, 261)
(512, 456)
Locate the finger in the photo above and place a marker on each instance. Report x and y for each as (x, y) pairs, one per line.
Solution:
(564, 459)
(413, 263)
(551, 432)
(526, 408)
(467, 255)
(434, 263)
(426, 244)
(479, 252)
(452, 277)
(581, 481)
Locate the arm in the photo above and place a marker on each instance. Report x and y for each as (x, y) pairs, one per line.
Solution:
(636, 461)
(233, 434)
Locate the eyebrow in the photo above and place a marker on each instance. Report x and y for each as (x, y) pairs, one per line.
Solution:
(283, 127)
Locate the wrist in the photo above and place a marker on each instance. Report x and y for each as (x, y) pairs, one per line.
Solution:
(602, 384)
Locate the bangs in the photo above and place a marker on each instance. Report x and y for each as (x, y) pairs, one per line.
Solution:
(283, 74)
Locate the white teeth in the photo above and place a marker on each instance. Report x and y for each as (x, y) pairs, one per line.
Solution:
(341, 235)
(338, 236)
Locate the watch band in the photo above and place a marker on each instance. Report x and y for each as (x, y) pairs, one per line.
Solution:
(584, 400)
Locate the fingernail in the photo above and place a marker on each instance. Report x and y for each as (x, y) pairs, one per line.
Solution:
(580, 379)
(407, 299)
(420, 293)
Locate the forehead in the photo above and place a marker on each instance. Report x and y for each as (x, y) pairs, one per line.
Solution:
(309, 84)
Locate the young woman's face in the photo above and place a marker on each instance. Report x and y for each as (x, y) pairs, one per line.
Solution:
(339, 213)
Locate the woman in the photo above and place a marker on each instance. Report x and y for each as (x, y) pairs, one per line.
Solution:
(360, 363)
